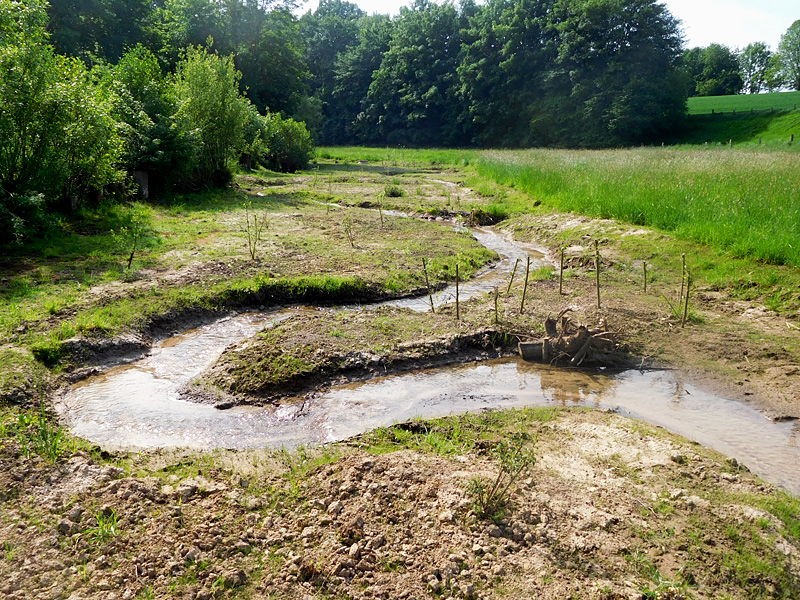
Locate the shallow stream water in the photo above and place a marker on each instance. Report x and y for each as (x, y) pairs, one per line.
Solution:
(138, 406)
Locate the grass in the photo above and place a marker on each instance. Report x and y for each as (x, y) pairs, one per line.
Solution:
(739, 202)
(779, 101)
(36, 434)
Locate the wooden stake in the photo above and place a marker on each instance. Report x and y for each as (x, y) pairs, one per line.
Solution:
(644, 267)
(686, 305)
(525, 287)
(458, 309)
(561, 273)
(427, 284)
(496, 311)
(683, 279)
(597, 270)
(514, 272)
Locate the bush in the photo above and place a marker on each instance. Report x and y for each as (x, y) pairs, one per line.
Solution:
(22, 217)
(393, 191)
(289, 145)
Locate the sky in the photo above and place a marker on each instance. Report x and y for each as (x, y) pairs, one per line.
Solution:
(734, 23)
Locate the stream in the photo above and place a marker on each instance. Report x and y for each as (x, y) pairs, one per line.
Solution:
(138, 406)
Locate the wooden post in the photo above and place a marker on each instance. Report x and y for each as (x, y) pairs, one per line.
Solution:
(597, 270)
(686, 304)
(514, 272)
(561, 273)
(730, 143)
(496, 311)
(683, 279)
(525, 287)
(458, 308)
(644, 268)
(427, 284)
(791, 140)
(759, 140)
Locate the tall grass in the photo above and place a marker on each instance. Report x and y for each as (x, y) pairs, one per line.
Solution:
(744, 203)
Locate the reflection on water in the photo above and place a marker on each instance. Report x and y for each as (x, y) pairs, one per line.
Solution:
(137, 409)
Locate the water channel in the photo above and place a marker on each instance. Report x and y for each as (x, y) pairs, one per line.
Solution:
(138, 406)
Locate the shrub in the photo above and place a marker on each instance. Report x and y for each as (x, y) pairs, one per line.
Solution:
(393, 191)
(289, 145)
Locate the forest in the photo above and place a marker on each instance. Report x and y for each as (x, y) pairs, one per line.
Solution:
(102, 98)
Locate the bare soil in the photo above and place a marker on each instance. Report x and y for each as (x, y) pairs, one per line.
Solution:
(621, 511)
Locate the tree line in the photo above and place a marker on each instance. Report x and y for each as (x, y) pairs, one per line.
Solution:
(76, 129)
(717, 70)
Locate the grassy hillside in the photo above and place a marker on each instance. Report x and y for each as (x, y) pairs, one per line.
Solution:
(748, 119)
(779, 101)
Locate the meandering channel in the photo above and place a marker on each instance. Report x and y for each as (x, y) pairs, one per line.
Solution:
(138, 406)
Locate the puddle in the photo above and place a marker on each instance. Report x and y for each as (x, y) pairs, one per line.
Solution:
(109, 411)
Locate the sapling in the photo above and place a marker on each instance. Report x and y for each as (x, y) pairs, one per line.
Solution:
(135, 233)
(516, 457)
(253, 227)
(347, 225)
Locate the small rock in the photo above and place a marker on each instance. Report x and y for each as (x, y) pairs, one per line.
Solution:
(498, 570)
(235, 578)
(494, 531)
(75, 514)
(435, 585)
(186, 491)
(67, 527)
(446, 516)
(335, 507)
(467, 590)
(355, 552)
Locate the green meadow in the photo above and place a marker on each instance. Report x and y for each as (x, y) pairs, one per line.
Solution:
(742, 202)
(778, 101)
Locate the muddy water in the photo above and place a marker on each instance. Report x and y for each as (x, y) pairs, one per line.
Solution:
(112, 411)
(138, 406)
(511, 253)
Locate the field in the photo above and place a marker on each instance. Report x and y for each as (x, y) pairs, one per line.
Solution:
(778, 101)
(742, 203)
(606, 507)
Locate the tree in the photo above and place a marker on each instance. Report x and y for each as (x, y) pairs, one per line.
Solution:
(98, 29)
(713, 71)
(754, 62)
(58, 139)
(145, 106)
(615, 79)
(789, 56)
(273, 71)
(507, 51)
(328, 32)
(353, 75)
(413, 97)
(211, 107)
